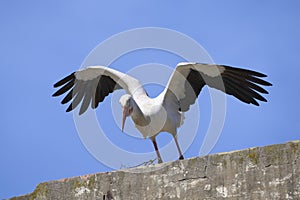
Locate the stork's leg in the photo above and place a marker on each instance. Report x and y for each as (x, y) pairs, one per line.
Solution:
(178, 148)
(156, 149)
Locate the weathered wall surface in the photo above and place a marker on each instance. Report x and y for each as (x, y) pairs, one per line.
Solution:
(271, 172)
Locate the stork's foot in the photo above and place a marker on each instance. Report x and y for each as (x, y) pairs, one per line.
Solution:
(181, 157)
(159, 160)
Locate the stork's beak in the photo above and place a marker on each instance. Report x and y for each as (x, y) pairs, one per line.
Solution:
(124, 115)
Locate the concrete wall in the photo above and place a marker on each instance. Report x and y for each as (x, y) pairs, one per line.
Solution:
(271, 172)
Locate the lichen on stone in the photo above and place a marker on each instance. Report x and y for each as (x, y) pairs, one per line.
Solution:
(41, 190)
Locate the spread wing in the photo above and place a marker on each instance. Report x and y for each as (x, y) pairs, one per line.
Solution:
(92, 84)
(188, 79)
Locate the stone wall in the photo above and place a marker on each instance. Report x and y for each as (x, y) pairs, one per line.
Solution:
(271, 172)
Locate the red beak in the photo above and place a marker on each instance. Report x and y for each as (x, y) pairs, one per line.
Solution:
(124, 115)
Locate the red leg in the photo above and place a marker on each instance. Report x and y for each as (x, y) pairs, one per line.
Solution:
(178, 148)
(156, 149)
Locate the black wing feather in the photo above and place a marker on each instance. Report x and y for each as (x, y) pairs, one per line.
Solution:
(193, 86)
(242, 80)
(68, 97)
(65, 80)
(243, 84)
(65, 88)
(244, 72)
(88, 92)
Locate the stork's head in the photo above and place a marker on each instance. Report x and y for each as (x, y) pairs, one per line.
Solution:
(127, 105)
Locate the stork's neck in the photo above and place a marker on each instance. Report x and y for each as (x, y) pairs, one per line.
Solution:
(138, 116)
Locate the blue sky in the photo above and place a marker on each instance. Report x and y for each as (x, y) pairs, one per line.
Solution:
(43, 41)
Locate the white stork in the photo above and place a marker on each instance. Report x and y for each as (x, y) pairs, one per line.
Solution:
(165, 112)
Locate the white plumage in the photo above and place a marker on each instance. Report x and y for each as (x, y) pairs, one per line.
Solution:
(89, 86)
